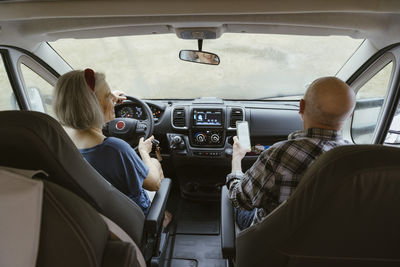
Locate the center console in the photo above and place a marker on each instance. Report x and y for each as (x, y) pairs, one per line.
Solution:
(202, 130)
(200, 138)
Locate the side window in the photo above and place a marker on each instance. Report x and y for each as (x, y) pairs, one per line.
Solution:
(38, 90)
(393, 135)
(7, 98)
(370, 98)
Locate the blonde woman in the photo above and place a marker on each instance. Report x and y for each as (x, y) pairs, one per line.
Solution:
(83, 102)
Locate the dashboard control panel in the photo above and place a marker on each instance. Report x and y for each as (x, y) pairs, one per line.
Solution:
(201, 128)
(207, 137)
(207, 127)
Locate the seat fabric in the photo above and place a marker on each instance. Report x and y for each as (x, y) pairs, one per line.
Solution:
(343, 213)
(56, 227)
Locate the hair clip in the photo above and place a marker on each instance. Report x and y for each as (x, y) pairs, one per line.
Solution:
(89, 77)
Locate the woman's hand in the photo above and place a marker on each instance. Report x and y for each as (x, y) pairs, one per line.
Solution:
(118, 96)
(145, 146)
(153, 179)
(157, 164)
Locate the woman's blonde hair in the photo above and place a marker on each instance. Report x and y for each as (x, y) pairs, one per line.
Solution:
(75, 104)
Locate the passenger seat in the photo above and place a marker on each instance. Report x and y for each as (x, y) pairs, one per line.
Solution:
(344, 212)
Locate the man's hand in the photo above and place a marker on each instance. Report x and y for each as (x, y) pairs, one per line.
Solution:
(118, 96)
(238, 154)
(145, 146)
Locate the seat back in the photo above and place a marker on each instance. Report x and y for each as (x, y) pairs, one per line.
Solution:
(33, 140)
(343, 213)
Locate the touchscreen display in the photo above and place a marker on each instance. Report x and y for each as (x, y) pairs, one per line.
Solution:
(207, 117)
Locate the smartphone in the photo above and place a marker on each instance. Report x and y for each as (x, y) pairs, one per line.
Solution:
(243, 133)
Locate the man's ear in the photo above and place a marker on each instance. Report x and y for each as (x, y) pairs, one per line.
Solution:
(302, 106)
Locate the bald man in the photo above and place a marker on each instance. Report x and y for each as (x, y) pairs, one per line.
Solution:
(327, 104)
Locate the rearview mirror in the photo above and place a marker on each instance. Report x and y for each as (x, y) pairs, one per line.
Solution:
(199, 57)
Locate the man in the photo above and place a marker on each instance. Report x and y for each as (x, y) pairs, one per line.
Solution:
(327, 104)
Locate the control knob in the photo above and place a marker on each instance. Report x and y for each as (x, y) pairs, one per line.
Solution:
(215, 138)
(176, 139)
(177, 142)
(201, 138)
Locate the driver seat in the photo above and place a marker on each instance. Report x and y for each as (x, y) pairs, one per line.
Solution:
(34, 140)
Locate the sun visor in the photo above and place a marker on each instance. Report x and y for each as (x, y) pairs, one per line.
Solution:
(199, 33)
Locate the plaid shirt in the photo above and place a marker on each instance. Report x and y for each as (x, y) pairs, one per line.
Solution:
(278, 170)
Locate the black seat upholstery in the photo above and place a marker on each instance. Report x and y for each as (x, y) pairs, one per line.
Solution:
(57, 228)
(73, 234)
(343, 213)
(33, 140)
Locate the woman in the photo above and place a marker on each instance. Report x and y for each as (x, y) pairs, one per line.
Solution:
(83, 102)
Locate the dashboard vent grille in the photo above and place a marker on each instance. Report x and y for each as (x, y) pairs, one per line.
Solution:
(236, 115)
(178, 117)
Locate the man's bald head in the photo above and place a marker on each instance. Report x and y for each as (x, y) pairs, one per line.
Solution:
(327, 103)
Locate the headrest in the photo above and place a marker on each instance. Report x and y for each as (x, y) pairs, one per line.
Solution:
(34, 140)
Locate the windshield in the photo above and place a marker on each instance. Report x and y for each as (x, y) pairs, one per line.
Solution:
(252, 66)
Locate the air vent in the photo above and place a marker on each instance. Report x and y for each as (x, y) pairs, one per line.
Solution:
(236, 115)
(178, 117)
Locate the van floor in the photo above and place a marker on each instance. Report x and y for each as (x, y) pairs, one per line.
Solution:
(194, 238)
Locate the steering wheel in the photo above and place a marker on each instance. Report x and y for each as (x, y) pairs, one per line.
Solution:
(129, 129)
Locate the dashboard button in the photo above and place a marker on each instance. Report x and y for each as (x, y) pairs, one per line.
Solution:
(215, 138)
(120, 125)
(201, 138)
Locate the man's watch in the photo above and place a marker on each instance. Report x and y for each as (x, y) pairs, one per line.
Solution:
(233, 175)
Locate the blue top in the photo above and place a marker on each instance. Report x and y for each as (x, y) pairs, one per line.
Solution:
(117, 162)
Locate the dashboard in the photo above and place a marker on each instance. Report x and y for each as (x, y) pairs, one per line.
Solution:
(204, 127)
(196, 136)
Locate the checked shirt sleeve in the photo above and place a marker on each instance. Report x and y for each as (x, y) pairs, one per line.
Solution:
(255, 186)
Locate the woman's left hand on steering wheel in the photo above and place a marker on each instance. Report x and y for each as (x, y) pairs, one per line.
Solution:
(118, 96)
(127, 128)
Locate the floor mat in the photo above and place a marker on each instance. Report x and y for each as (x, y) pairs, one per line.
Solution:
(182, 263)
(198, 218)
